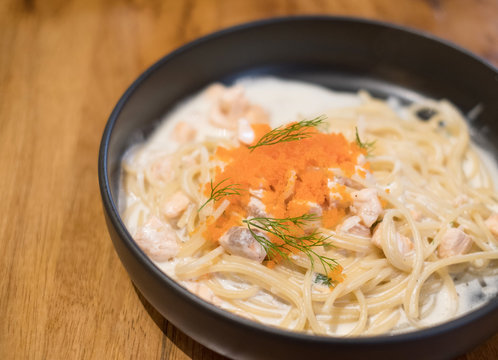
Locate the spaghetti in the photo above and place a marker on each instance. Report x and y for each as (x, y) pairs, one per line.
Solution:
(314, 211)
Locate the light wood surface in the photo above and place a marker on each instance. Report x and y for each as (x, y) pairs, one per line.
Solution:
(63, 65)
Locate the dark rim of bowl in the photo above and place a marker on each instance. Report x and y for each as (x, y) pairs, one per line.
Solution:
(112, 209)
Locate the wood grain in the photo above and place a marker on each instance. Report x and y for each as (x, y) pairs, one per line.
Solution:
(63, 66)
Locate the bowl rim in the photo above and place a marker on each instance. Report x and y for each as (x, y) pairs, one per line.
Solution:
(112, 211)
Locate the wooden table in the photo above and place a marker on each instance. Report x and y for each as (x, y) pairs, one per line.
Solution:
(63, 66)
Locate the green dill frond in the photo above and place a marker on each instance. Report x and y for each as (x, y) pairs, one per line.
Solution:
(368, 146)
(293, 132)
(218, 192)
(281, 228)
(323, 280)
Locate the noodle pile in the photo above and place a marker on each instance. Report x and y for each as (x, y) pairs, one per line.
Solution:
(386, 276)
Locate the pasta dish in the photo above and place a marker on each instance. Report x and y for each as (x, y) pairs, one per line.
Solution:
(310, 210)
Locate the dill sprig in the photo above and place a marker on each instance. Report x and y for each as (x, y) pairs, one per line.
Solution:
(281, 228)
(368, 146)
(323, 279)
(218, 192)
(293, 132)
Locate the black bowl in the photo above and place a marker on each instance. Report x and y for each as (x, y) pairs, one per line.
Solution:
(340, 53)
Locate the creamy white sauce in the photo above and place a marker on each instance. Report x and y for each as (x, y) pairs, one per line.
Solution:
(287, 101)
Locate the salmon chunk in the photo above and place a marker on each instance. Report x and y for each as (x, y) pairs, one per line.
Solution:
(405, 245)
(366, 205)
(161, 169)
(239, 241)
(158, 240)
(230, 105)
(184, 132)
(454, 242)
(492, 223)
(176, 205)
(256, 208)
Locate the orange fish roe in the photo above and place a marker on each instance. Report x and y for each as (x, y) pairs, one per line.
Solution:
(332, 217)
(337, 275)
(294, 177)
